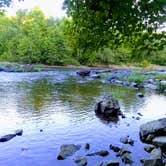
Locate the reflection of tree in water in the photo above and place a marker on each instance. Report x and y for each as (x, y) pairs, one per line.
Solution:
(38, 95)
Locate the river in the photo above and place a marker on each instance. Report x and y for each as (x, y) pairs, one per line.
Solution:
(62, 105)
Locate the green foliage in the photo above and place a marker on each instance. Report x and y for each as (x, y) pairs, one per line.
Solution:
(161, 87)
(160, 76)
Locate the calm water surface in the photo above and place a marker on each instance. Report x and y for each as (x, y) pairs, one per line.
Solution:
(62, 104)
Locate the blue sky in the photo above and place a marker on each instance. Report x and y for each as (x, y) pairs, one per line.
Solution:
(49, 7)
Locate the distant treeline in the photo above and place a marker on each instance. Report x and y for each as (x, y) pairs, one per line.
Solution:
(30, 37)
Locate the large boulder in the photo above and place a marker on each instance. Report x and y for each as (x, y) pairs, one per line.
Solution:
(154, 128)
(7, 137)
(67, 150)
(108, 106)
(84, 72)
(159, 141)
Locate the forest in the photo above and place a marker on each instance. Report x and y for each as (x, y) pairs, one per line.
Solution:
(31, 37)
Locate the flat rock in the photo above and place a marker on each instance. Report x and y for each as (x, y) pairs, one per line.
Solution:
(156, 128)
(102, 153)
(149, 148)
(67, 150)
(160, 141)
(156, 153)
(7, 137)
(109, 163)
(153, 162)
(84, 72)
(80, 161)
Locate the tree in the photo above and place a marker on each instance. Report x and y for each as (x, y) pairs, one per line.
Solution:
(97, 22)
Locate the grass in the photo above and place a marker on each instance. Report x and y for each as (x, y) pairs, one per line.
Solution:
(160, 76)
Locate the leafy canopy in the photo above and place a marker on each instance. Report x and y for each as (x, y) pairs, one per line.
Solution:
(97, 22)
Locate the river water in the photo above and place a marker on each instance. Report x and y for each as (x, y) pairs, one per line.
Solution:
(62, 105)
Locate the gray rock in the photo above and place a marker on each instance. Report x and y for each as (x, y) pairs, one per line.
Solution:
(7, 137)
(108, 107)
(133, 84)
(149, 138)
(84, 72)
(150, 86)
(127, 140)
(126, 158)
(80, 161)
(67, 150)
(87, 146)
(109, 163)
(160, 141)
(149, 148)
(153, 162)
(19, 132)
(156, 153)
(156, 128)
(115, 148)
(140, 95)
(122, 151)
(139, 114)
(102, 153)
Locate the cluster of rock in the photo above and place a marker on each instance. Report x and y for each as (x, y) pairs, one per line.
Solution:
(116, 76)
(8, 137)
(154, 134)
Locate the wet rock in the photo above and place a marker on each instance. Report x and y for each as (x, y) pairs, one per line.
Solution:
(122, 151)
(126, 83)
(149, 148)
(19, 132)
(87, 146)
(137, 118)
(156, 153)
(109, 163)
(7, 137)
(84, 72)
(133, 84)
(67, 150)
(102, 153)
(150, 86)
(115, 148)
(139, 114)
(141, 95)
(126, 158)
(2, 68)
(127, 140)
(149, 138)
(156, 128)
(80, 161)
(95, 76)
(108, 107)
(160, 141)
(41, 130)
(153, 162)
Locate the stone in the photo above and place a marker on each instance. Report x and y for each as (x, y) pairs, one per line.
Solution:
(156, 153)
(160, 141)
(141, 95)
(149, 148)
(19, 132)
(80, 161)
(87, 146)
(139, 114)
(109, 163)
(127, 140)
(84, 72)
(7, 137)
(108, 107)
(150, 86)
(102, 153)
(67, 150)
(114, 148)
(126, 158)
(153, 162)
(156, 128)
(137, 118)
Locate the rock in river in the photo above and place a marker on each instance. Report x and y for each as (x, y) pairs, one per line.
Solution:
(80, 161)
(67, 150)
(160, 141)
(156, 128)
(153, 162)
(84, 72)
(7, 137)
(19, 132)
(108, 107)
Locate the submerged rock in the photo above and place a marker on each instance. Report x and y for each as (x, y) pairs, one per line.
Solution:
(127, 140)
(67, 150)
(87, 146)
(84, 72)
(155, 128)
(109, 163)
(19, 132)
(102, 153)
(7, 137)
(80, 161)
(108, 107)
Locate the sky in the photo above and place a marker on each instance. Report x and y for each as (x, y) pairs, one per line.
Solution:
(49, 7)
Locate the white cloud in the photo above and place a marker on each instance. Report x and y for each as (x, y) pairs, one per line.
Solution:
(49, 7)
